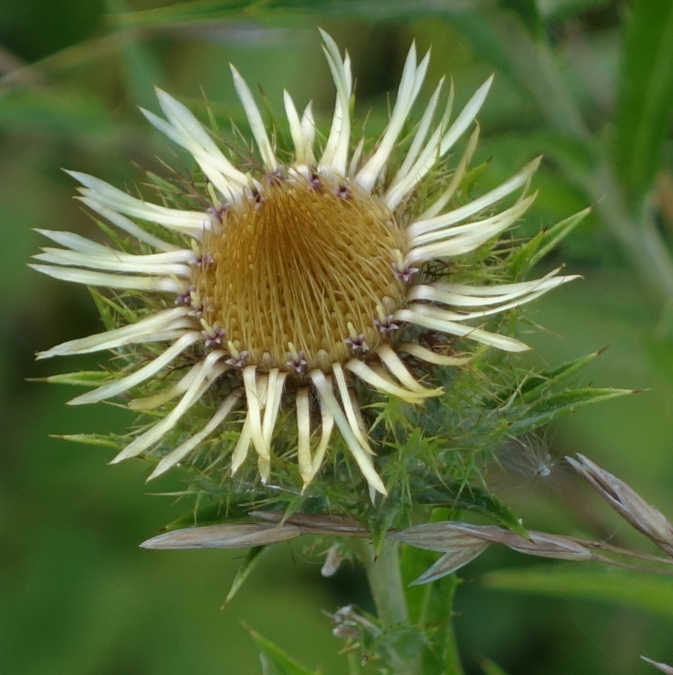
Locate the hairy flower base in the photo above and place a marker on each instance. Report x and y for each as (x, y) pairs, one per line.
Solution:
(301, 278)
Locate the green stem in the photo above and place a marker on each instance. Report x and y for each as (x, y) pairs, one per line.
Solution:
(385, 582)
(431, 617)
(353, 665)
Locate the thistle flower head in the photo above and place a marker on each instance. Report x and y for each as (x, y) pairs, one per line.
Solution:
(299, 279)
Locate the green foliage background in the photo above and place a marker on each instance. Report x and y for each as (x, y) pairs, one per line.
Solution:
(588, 82)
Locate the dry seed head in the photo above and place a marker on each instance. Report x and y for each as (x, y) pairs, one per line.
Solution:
(627, 502)
(303, 269)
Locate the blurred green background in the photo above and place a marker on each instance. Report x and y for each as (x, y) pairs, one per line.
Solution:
(588, 82)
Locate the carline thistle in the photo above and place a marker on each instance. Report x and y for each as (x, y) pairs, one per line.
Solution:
(300, 279)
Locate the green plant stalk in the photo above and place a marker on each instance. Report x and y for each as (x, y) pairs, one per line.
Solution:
(385, 583)
(353, 665)
(387, 589)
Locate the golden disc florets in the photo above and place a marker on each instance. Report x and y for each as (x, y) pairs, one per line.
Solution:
(303, 267)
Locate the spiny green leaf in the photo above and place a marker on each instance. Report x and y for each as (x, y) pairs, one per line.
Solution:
(559, 404)
(533, 385)
(645, 99)
(561, 372)
(542, 243)
(107, 308)
(251, 560)
(472, 176)
(379, 525)
(162, 184)
(275, 661)
(634, 589)
(90, 439)
(84, 378)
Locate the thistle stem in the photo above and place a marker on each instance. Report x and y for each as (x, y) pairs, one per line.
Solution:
(385, 583)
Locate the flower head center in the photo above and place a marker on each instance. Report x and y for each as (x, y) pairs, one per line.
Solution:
(300, 273)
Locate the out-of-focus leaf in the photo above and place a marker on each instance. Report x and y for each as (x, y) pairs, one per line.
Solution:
(562, 403)
(633, 589)
(141, 69)
(661, 357)
(277, 10)
(55, 111)
(491, 668)
(413, 562)
(250, 562)
(646, 93)
(528, 13)
(275, 661)
(70, 57)
(560, 9)
(484, 40)
(574, 155)
(506, 43)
